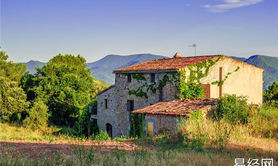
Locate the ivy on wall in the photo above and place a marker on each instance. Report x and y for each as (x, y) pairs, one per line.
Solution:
(145, 87)
(137, 125)
(191, 87)
(220, 83)
(188, 86)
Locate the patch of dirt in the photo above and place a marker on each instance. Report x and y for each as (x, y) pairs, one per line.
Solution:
(43, 149)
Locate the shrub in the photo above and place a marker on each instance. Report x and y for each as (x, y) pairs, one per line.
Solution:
(37, 116)
(272, 92)
(232, 109)
(264, 122)
(101, 136)
(197, 131)
(84, 126)
(194, 136)
(137, 125)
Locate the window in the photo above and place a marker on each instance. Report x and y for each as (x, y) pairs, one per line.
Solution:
(152, 77)
(106, 103)
(130, 105)
(160, 94)
(129, 78)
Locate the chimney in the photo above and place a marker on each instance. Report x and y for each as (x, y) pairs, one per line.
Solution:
(177, 55)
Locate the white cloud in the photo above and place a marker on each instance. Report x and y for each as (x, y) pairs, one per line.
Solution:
(230, 4)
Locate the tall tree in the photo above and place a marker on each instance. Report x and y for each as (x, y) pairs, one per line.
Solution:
(12, 96)
(64, 85)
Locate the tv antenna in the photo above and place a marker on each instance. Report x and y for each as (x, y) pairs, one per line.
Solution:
(195, 48)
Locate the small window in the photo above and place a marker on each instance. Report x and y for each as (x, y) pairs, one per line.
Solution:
(129, 78)
(106, 103)
(130, 105)
(152, 77)
(160, 94)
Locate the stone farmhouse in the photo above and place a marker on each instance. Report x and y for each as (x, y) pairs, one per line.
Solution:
(152, 88)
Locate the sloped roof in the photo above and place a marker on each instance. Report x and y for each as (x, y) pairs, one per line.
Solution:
(110, 87)
(182, 107)
(166, 64)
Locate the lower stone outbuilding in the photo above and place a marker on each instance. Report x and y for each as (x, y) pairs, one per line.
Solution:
(166, 116)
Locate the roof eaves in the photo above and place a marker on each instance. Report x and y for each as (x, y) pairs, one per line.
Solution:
(99, 93)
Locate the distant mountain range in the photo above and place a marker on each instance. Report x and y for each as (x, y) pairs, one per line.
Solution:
(103, 68)
(31, 66)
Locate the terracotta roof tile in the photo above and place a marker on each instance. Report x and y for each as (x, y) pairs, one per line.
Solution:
(178, 107)
(166, 64)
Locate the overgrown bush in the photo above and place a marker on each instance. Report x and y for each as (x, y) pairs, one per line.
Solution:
(198, 130)
(84, 126)
(232, 109)
(194, 136)
(271, 94)
(264, 122)
(37, 116)
(101, 136)
(137, 125)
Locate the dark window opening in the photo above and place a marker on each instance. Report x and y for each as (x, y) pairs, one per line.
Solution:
(106, 103)
(129, 78)
(109, 129)
(130, 105)
(152, 77)
(160, 94)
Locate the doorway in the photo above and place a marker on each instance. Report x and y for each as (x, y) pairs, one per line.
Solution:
(109, 129)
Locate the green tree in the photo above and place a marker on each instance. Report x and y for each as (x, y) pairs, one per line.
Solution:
(64, 85)
(272, 92)
(12, 97)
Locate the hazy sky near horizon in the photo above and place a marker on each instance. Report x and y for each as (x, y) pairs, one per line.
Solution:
(41, 29)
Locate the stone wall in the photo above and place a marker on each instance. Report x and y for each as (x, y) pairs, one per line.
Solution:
(107, 115)
(122, 88)
(163, 123)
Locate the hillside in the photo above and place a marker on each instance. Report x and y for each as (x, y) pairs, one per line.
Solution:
(31, 66)
(103, 68)
(270, 66)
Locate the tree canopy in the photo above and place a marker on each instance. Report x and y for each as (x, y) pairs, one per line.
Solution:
(12, 97)
(64, 84)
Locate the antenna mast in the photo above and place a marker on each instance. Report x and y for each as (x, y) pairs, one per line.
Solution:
(195, 48)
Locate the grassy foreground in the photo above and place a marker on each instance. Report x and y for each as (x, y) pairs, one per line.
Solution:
(200, 142)
(26, 147)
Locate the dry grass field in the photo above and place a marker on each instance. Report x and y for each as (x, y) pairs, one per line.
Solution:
(22, 146)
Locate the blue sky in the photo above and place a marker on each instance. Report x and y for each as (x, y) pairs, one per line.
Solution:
(40, 29)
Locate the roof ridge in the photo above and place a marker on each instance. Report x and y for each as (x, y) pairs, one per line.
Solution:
(166, 63)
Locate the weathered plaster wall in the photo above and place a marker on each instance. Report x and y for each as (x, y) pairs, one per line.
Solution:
(247, 81)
